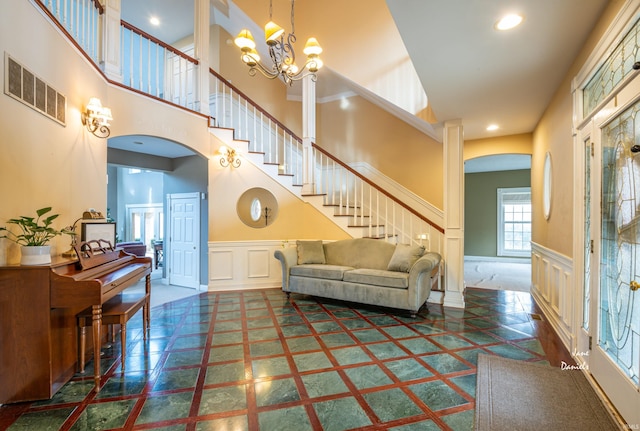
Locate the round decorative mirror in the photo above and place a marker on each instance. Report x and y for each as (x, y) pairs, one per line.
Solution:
(257, 207)
(546, 187)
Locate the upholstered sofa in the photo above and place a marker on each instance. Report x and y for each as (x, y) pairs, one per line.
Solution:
(362, 270)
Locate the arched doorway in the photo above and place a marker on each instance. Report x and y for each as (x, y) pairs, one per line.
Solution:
(144, 171)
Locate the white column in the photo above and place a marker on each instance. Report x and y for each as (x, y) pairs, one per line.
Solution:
(111, 56)
(453, 140)
(201, 53)
(308, 133)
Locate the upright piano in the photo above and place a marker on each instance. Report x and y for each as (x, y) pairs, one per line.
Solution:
(38, 307)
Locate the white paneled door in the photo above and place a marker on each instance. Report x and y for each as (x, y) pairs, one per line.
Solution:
(184, 239)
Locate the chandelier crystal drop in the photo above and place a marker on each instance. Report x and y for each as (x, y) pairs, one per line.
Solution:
(281, 52)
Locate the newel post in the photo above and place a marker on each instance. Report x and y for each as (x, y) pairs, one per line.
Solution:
(111, 57)
(201, 53)
(308, 133)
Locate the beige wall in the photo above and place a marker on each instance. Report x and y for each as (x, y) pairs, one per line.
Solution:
(554, 135)
(46, 164)
(43, 163)
(512, 144)
(356, 130)
(295, 220)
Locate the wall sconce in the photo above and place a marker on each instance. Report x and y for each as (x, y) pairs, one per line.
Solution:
(96, 118)
(229, 157)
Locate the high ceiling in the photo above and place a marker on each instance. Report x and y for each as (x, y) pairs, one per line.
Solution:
(473, 72)
(468, 70)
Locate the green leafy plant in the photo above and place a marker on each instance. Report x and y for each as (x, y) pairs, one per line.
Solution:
(34, 231)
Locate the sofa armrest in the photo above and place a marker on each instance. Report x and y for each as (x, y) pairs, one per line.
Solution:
(288, 257)
(426, 263)
(421, 276)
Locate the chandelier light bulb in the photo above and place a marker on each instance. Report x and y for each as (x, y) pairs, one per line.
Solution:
(312, 47)
(244, 40)
(251, 58)
(314, 63)
(272, 32)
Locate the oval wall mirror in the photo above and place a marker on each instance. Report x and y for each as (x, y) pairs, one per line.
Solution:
(547, 186)
(257, 207)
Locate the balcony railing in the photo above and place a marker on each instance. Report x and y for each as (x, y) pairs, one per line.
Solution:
(80, 19)
(153, 67)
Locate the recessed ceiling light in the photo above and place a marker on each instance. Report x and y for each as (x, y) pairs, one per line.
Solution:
(492, 127)
(509, 21)
(154, 20)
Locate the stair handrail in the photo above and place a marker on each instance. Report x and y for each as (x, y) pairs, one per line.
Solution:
(377, 187)
(67, 28)
(254, 104)
(153, 39)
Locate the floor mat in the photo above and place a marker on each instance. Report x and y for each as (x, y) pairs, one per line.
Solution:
(519, 395)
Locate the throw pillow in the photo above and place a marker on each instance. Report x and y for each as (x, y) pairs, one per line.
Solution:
(310, 252)
(404, 257)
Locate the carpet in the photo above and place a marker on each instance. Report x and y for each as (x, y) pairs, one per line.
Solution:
(497, 275)
(518, 395)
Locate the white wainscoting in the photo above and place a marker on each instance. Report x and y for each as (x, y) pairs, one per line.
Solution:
(552, 289)
(235, 265)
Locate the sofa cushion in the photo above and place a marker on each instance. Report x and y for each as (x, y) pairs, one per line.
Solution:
(359, 253)
(404, 257)
(331, 272)
(310, 252)
(377, 277)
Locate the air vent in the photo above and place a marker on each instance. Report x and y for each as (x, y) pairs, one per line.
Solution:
(536, 316)
(24, 86)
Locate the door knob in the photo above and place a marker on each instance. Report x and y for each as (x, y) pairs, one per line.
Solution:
(634, 285)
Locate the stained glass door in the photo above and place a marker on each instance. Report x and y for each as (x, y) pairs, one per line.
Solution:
(616, 358)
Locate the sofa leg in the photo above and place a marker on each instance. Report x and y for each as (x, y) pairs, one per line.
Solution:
(288, 295)
(413, 314)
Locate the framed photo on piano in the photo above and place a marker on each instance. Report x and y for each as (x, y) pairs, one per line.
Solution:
(99, 231)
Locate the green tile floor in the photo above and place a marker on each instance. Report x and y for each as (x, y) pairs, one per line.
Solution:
(255, 360)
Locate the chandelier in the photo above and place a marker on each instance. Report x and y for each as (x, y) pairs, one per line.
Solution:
(281, 52)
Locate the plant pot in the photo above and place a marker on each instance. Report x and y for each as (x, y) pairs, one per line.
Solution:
(35, 255)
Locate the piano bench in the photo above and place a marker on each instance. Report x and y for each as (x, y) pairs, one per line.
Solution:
(116, 311)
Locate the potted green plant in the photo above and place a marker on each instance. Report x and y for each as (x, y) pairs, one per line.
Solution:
(34, 236)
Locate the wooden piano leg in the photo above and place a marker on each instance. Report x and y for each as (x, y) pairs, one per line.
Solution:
(123, 344)
(97, 340)
(145, 320)
(147, 307)
(83, 345)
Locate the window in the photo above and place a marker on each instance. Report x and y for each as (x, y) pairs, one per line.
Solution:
(514, 222)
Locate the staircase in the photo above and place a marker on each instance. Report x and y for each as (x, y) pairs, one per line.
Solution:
(353, 202)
